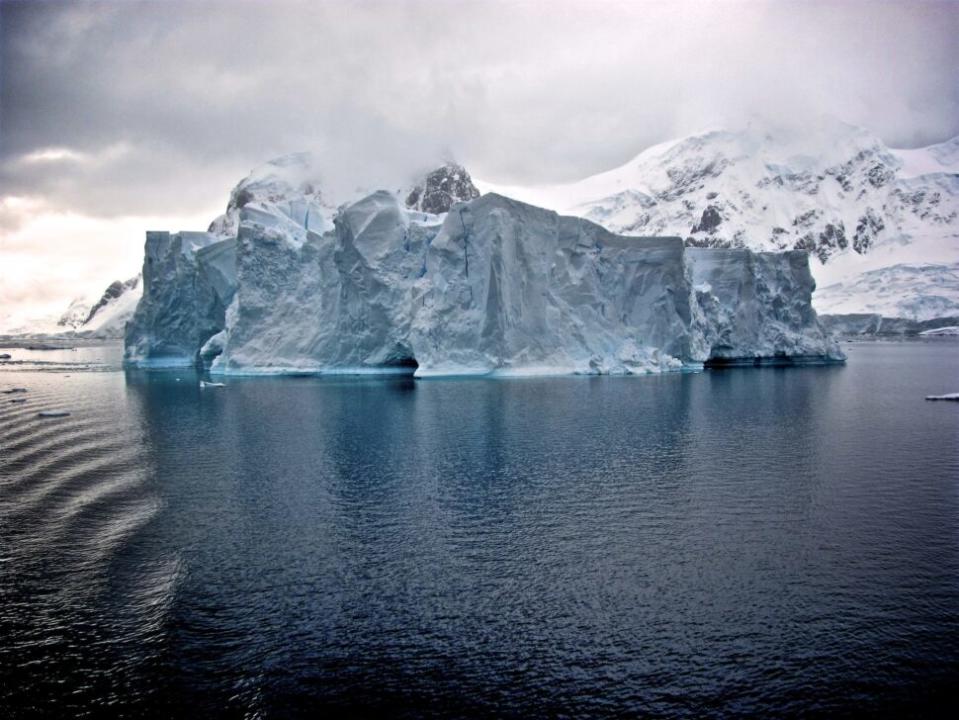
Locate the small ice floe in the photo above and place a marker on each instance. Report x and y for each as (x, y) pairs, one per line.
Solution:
(948, 396)
(206, 384)
(52, 413)
(947, 330)
(11, 391)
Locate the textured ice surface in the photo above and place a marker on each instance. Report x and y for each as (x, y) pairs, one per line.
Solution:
(758, 305)
(511, 287)
(188, 280)
(494, 286)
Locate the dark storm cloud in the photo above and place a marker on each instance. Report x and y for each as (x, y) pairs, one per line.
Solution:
(128, 108)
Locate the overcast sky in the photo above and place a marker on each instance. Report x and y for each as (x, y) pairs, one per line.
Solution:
(119, 116)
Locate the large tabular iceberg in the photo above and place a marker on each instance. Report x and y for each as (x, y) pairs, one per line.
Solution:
(286, 282)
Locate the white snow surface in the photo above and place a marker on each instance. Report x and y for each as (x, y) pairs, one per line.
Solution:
(912, 291)
(493, 287)
(110, 320)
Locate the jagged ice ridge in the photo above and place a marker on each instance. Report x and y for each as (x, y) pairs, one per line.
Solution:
(433, 278)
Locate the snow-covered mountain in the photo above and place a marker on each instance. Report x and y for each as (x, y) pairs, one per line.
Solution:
(75, 315)
(911, 291)
(102, 316)
(106, 315)
(833, 190)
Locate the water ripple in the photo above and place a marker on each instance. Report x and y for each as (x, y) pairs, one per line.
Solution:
(737, 543)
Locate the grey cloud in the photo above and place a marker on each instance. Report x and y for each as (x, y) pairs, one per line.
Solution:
(520, 92)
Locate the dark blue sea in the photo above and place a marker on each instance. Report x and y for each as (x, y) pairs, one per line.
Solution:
(740, 542)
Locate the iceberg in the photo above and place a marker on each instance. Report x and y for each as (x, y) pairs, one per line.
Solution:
(954, 397)
(459, 284)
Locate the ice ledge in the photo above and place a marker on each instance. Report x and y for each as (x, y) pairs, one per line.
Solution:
(774, 361)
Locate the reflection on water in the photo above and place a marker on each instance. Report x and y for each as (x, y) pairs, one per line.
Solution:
(766, 542)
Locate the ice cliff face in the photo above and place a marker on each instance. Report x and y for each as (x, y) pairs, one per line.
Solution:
(188, 280)
(510, 287)
(757, 305)
(491, 286)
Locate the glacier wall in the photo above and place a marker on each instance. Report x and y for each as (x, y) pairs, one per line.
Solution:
(510, 287)
(757, 306)
(189, 279)
(493, 286)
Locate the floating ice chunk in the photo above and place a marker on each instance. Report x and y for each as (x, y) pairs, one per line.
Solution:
(948, 330)
(498, 288)
(207, 384)
(948, 396)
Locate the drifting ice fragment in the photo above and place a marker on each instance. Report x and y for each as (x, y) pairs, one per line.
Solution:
(947, 396)
(205, 384)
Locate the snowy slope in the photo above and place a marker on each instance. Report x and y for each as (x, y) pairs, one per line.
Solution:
(75, 315)
(107, 317)
(916, 292)
(833, 190)
(102, 316)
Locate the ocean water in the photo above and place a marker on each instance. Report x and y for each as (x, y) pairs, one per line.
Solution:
(742, 542)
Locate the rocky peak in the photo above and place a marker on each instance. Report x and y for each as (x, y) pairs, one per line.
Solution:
(441, 189)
